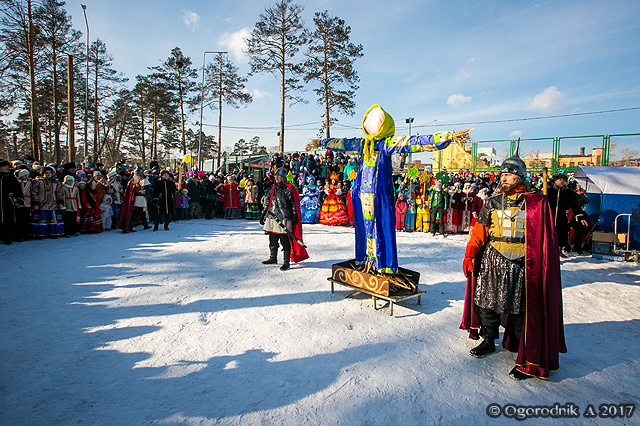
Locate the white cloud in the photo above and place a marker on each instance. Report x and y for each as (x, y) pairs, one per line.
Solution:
(257, 94)
(456, 101)
(235, 43)
(465, 72)
(515, 133)
(191, 19)
(548, 101)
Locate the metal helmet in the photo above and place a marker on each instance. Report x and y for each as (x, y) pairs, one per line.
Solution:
(515, 165)
(282, 172)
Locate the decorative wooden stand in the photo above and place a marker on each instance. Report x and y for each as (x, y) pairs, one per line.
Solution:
(344, 273)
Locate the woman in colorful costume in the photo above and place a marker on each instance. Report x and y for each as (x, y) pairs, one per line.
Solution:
(232, 209)
(309, 203)
(47, 199)
(334, 211)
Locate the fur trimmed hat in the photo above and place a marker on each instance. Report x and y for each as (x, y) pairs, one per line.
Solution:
(23, 173)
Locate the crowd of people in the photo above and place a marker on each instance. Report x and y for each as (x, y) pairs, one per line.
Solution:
(85, 198)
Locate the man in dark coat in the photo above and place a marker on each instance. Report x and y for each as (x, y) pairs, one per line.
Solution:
(562, 199)
(10, 199)
(163, 198)
(279, 203)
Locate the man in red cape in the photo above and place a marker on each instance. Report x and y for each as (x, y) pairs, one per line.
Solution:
(126, 208)
(513, 271)
(284, 204)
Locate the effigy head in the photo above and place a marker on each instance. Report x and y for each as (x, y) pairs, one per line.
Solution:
(376, 125)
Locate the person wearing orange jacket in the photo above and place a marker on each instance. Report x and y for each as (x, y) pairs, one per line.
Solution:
(513, 271)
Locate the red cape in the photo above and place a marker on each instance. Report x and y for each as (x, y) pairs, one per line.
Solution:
(542, 336)
(231, 196)
(126, 208)
(298, 253)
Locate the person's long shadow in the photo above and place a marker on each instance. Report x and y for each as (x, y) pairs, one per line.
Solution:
(227, 386)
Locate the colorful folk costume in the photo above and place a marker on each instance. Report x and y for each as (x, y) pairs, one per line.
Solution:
(47, 196)
(72, 205)
(513, 270)
(451, 213)
(309, 203)
(283, 206)
(352, 219)
(128, 204)
(464, 201)
(334, 210)
(91, 215)
(23, 211)
(476, 205)
(422, 213)
(251, 202)
(232, 208)
(410, 218)
(373, 202)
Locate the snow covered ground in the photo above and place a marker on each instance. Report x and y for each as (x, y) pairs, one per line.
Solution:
(188, 327)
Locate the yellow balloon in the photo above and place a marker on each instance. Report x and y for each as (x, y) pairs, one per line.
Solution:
(186, 159)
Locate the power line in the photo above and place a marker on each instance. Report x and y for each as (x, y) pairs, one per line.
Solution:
(531, 118)
(430, 124)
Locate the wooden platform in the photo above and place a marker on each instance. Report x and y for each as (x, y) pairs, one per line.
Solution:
(392, 299)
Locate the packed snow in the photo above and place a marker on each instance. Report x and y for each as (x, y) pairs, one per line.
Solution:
(188, 327)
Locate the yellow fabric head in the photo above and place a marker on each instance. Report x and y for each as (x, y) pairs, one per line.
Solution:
(376, 125)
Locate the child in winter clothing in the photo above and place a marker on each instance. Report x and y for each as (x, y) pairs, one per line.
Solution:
(182, 204)
(410, 218)
(107, 212)
(401, 211)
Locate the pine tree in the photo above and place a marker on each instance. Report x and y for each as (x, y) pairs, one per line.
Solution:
(107, 82)
(274, 42)
(330, 62)
(57, 37)
(223, 83)
(181, 80)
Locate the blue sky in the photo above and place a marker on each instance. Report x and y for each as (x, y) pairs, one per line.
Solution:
(452, 61)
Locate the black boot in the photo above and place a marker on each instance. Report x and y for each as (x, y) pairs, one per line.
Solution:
(155, 227)
(516, 374)
(483, 349)
(285, 262)
(273, 258)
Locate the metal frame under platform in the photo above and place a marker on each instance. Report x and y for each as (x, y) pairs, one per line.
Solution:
(392, 299)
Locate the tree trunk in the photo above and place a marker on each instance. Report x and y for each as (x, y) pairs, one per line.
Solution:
(325, 80)
(220, 114)
(282, 103)
(142, 134)
(36, 138)
(184, 142)
(56, 124)
(71, 127)
(96, 151)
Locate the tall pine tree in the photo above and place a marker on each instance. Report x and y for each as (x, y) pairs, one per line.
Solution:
(330, 62)
(272, 47)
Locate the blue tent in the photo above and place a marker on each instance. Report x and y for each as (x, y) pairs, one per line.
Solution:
(612, 191)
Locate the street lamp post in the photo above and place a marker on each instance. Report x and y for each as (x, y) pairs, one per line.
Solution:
(409, 121)
(86, 92)
(200, 162)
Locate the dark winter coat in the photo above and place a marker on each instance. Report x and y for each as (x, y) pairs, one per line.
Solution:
(281, 204)
(163, 192)
(10, 196)
(562, 200)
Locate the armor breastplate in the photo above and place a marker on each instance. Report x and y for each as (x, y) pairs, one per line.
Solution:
(507, 231)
